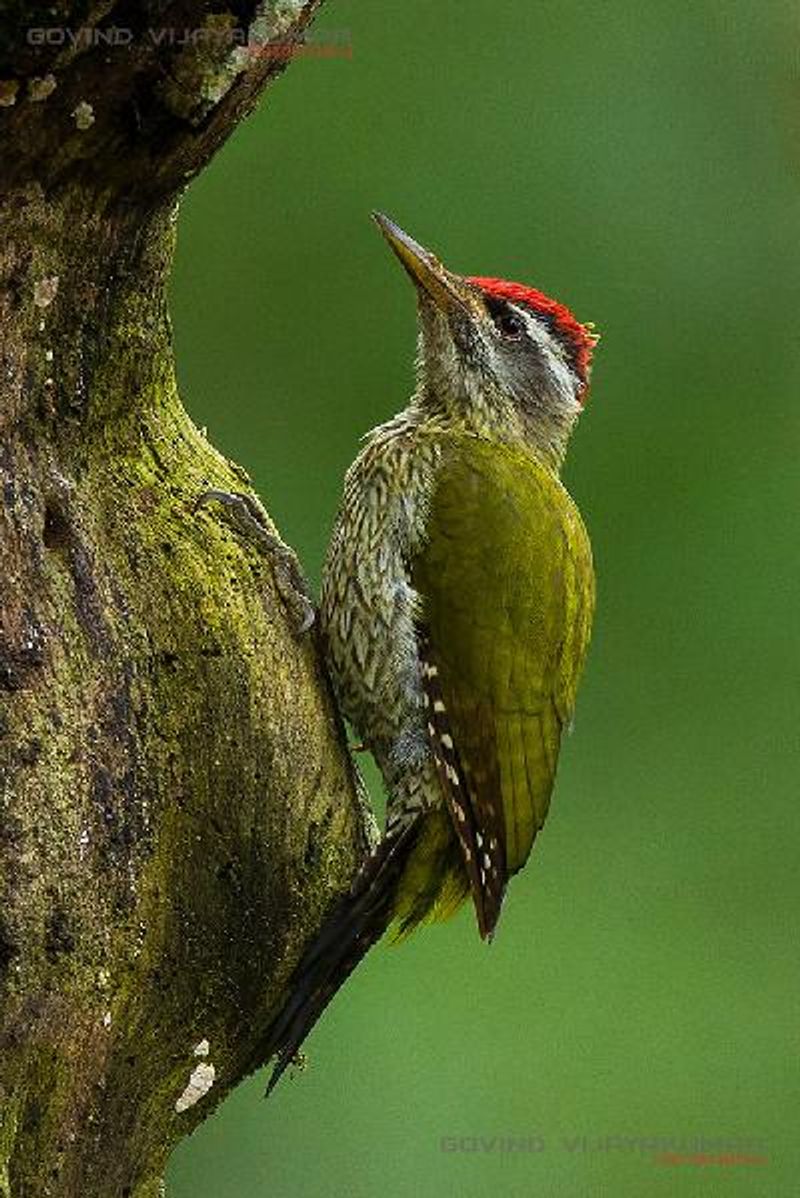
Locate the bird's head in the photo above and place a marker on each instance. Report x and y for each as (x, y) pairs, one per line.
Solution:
(499, 358)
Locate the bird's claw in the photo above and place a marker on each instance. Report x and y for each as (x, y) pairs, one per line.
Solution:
(251, 520)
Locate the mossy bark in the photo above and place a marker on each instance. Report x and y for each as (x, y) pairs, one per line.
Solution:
(177, 804)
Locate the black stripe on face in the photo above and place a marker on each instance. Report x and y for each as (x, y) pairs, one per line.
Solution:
(548, 321)
(509, 323)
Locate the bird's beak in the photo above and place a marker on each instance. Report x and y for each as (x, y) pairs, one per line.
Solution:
(448, 291)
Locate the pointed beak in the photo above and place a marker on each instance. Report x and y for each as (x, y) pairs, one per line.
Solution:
(449, 292)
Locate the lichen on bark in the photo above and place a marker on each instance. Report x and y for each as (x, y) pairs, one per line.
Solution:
(177, 804)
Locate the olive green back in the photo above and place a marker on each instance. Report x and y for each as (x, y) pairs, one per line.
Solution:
(508, 589)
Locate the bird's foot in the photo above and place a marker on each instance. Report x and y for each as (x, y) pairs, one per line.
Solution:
(251, 520)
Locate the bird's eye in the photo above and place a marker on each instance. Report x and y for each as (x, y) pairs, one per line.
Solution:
(508, 323)
(511, 325)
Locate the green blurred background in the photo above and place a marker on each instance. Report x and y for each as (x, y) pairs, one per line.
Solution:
(639, 161)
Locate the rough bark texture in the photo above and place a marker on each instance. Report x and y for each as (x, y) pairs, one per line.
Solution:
(177, 806)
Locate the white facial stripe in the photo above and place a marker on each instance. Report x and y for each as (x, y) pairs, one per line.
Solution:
(540, 334)
(553, 352)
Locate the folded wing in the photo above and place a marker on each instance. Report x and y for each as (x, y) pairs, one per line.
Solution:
(507, 587)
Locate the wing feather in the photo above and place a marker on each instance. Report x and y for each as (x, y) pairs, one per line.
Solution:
(507, 588)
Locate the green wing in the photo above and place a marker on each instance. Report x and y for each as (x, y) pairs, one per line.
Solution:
(507, 586)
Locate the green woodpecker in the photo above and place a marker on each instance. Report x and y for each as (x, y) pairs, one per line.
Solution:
(457, 603)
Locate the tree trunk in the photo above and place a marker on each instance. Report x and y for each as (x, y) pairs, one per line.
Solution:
(177, 804)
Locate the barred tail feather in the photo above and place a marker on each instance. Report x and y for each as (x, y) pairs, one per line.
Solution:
(356, 923)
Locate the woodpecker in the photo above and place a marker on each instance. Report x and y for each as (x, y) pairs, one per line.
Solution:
(457, 602)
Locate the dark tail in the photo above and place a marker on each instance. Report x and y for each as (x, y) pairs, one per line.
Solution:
(356, 923)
